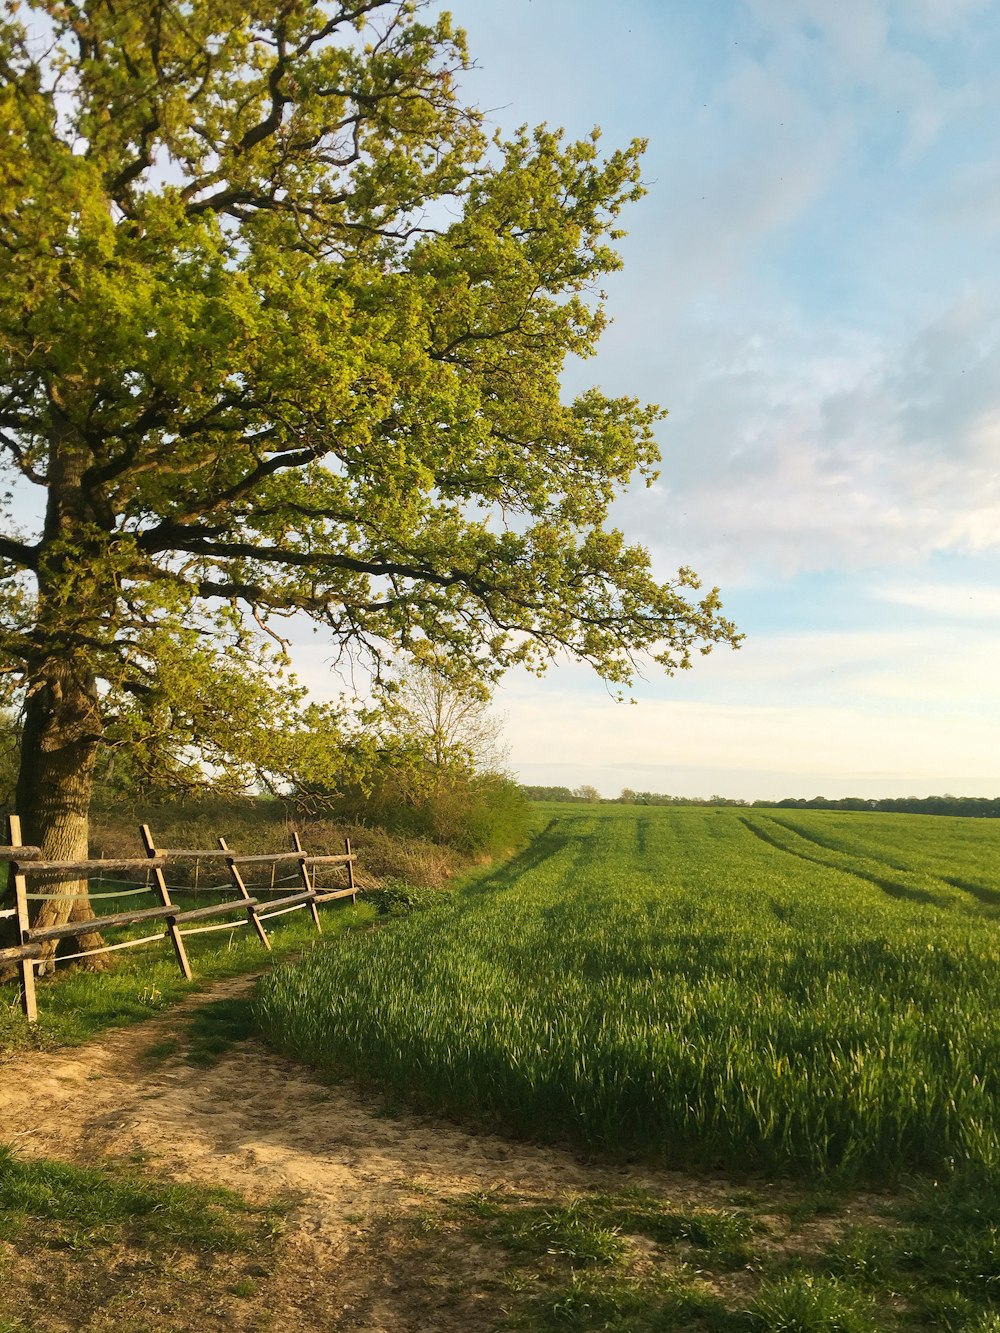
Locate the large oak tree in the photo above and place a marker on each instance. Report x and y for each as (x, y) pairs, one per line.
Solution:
(281, 332)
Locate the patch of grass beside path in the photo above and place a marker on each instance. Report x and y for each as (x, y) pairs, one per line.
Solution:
(633, 1261)
(75, 1005)
(111, 1247)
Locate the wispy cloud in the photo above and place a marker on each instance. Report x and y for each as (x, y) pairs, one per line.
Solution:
(962, 601)
(801, 456)
(812, 288)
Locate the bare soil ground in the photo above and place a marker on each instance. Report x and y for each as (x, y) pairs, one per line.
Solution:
(361, 1249)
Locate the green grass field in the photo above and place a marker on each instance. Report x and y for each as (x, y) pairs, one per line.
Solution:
(808, 995)
(783, 991)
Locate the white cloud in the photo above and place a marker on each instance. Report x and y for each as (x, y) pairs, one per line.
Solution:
(971, 198)
(964, 601)
(853, 32)
(802, 446)
(754, 155)
(942, 17)
(864, 670)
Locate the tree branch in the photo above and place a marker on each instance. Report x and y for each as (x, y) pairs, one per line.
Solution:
(25, 557)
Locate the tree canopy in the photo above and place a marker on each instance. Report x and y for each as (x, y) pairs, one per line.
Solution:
(282, 326)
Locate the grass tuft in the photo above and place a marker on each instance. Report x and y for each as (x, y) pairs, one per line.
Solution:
(805, 1303)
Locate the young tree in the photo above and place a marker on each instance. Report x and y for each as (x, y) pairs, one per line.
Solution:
(586, 793)
(449, 724)
(281, 333)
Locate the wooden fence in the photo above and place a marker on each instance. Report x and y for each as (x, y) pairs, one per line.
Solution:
(29, 871)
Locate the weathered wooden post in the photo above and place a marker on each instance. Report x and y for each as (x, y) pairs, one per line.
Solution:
(307, 882)
(251, 903)
(26, 966)
(164, 892)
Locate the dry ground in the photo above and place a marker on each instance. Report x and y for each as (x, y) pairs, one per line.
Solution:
(365, 1247)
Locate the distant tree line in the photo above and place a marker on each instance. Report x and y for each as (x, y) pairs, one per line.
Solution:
(588, 794)
(973, 807)
(583, 795)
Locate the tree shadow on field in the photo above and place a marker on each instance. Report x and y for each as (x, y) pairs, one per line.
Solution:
(893, 887)
(982, 894)
(642, 827)
(554, 838)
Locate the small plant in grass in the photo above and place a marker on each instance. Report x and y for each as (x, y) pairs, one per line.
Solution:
(863, 1254)
(400, 899)
(951, 1235)
(817, 1203)
(594, 1229)
(678, 1303)
(426, 1222)
(950, 1312)
(570, 1232)
(804, 1303)
(725, 1233)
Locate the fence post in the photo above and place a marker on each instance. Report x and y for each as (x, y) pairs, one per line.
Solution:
(164, 892)
(237, 879)
(29, 1004)
(304, 872)
(350, 872)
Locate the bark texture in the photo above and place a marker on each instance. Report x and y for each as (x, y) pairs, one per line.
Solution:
(62, 730)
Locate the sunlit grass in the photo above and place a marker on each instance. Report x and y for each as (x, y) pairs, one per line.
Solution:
(84, 1207)
(699, 986)
(73, 1005)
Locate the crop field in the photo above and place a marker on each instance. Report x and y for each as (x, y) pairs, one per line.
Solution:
(798, 992)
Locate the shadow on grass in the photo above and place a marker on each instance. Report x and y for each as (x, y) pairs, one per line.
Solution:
(215, 1028)
(892, 887)
(557, 835)
(987, 896)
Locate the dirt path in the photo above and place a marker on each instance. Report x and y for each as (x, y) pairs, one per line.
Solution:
(264, 1126)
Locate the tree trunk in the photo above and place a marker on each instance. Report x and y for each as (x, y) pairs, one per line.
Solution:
(62, 713)
(62, 730)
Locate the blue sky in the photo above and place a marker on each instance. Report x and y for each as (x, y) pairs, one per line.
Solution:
(812, 287)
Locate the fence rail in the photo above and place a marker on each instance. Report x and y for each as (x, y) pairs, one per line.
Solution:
(35, 942)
